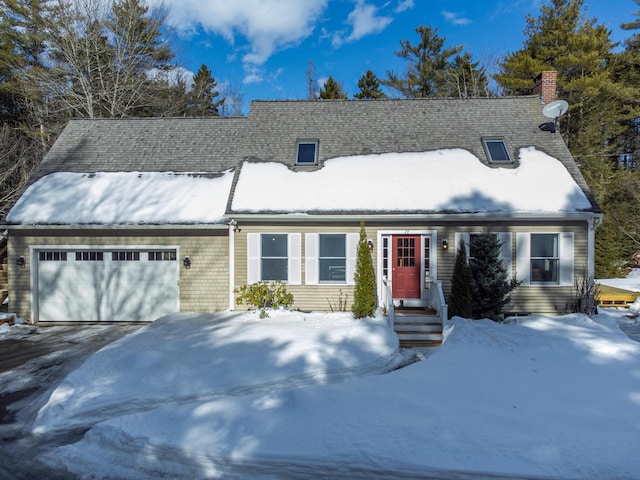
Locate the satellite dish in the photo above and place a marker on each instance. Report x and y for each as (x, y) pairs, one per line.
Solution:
(555, 109)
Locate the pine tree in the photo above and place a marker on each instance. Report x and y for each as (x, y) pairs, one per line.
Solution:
(461, 299)
(364, 293)
(332, 90)
(369, 86)
(201, 99)
(601, 107)
(428, 64)
(491, 286)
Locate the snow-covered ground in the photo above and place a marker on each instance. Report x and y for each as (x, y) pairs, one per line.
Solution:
(198, 396)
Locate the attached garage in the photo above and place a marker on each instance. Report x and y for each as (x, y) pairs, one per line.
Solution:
(111, 284)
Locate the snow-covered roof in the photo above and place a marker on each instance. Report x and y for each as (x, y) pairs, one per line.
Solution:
(442, 181)
(122, 198)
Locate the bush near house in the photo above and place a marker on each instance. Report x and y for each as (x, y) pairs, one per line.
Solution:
(364, 293)
(460, 299)
(491, 286)
(264, 295)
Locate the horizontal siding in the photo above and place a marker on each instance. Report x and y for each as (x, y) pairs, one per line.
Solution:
(203, 288)
(551, 300)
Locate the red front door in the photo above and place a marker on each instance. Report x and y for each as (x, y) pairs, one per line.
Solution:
(406, 266)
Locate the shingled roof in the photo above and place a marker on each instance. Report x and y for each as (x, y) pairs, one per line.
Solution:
(342, 128)
(145, 145)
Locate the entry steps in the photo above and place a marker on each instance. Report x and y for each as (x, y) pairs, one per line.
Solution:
(417, 327)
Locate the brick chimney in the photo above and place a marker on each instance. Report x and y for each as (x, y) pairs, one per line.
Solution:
(545, 86)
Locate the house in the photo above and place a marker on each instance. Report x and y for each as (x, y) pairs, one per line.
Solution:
(130, 219)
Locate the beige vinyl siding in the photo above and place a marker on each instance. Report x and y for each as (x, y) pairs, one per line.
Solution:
(203, 288)
(306, 297)
(547, 299)
(553, 300)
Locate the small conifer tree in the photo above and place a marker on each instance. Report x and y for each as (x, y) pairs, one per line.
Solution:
(460, 299)
(364, 293)
(491, 286)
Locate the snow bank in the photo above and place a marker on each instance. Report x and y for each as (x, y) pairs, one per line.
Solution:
(185, 357)
(554, 397)
(123, 198)
(439, 181)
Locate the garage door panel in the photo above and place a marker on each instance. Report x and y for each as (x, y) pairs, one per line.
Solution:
(104, 288)
(141, 290)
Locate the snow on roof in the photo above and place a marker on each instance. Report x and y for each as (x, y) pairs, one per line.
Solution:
(451, 180)
(124, 198)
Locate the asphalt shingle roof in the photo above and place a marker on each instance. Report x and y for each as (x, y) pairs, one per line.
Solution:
(270, 132)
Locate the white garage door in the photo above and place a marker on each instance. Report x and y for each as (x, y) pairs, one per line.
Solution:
(106, 285)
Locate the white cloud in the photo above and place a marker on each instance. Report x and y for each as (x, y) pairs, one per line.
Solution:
(267, 25)
(455, 18)
(404, 6)
(364, 20)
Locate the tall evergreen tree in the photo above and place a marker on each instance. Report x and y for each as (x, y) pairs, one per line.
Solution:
(461, 299)
(332, 90)
(364, 293)
(369, 86)
(561, 38)
(427, 65)
(202, 98)
(491, 286)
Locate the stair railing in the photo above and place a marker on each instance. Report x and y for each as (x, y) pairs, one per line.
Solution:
(436, 300)
(386, 281)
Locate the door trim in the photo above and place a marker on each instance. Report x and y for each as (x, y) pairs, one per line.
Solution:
(433, 263)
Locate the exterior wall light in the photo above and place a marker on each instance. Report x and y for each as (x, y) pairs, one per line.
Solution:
(187, 262)
(445, 245)
(21, 262)
(370, 243)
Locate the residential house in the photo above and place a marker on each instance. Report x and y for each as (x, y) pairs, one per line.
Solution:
(130, 219)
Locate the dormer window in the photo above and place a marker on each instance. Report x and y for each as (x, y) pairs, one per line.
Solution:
(496, 150)
(307, 152)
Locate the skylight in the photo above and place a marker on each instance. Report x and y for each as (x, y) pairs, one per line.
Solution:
(307, 152)
(496, 150)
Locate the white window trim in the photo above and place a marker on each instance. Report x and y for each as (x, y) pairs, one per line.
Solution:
(312, 258)
(294, 257)
(566, 248)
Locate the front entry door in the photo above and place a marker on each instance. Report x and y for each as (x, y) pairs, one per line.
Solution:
(406, 266)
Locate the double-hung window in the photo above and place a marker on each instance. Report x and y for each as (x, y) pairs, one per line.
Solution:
(545, 259)
(332, 258)
(274, 257)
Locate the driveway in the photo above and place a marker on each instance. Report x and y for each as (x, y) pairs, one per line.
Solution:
(33, 362)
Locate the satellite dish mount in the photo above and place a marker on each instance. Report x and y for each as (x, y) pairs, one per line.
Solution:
(553, 110)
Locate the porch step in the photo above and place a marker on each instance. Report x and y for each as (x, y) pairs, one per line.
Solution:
(418, 330)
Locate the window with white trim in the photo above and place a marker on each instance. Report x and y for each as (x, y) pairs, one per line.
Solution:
(332, 259)
(274, 256)
(545, 258)
(52, 256)
(89, 256)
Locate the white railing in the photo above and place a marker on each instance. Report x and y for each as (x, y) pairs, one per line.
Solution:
(386, 281)
(436, 300)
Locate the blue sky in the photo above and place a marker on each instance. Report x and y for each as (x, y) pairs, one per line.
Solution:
(262, 47)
